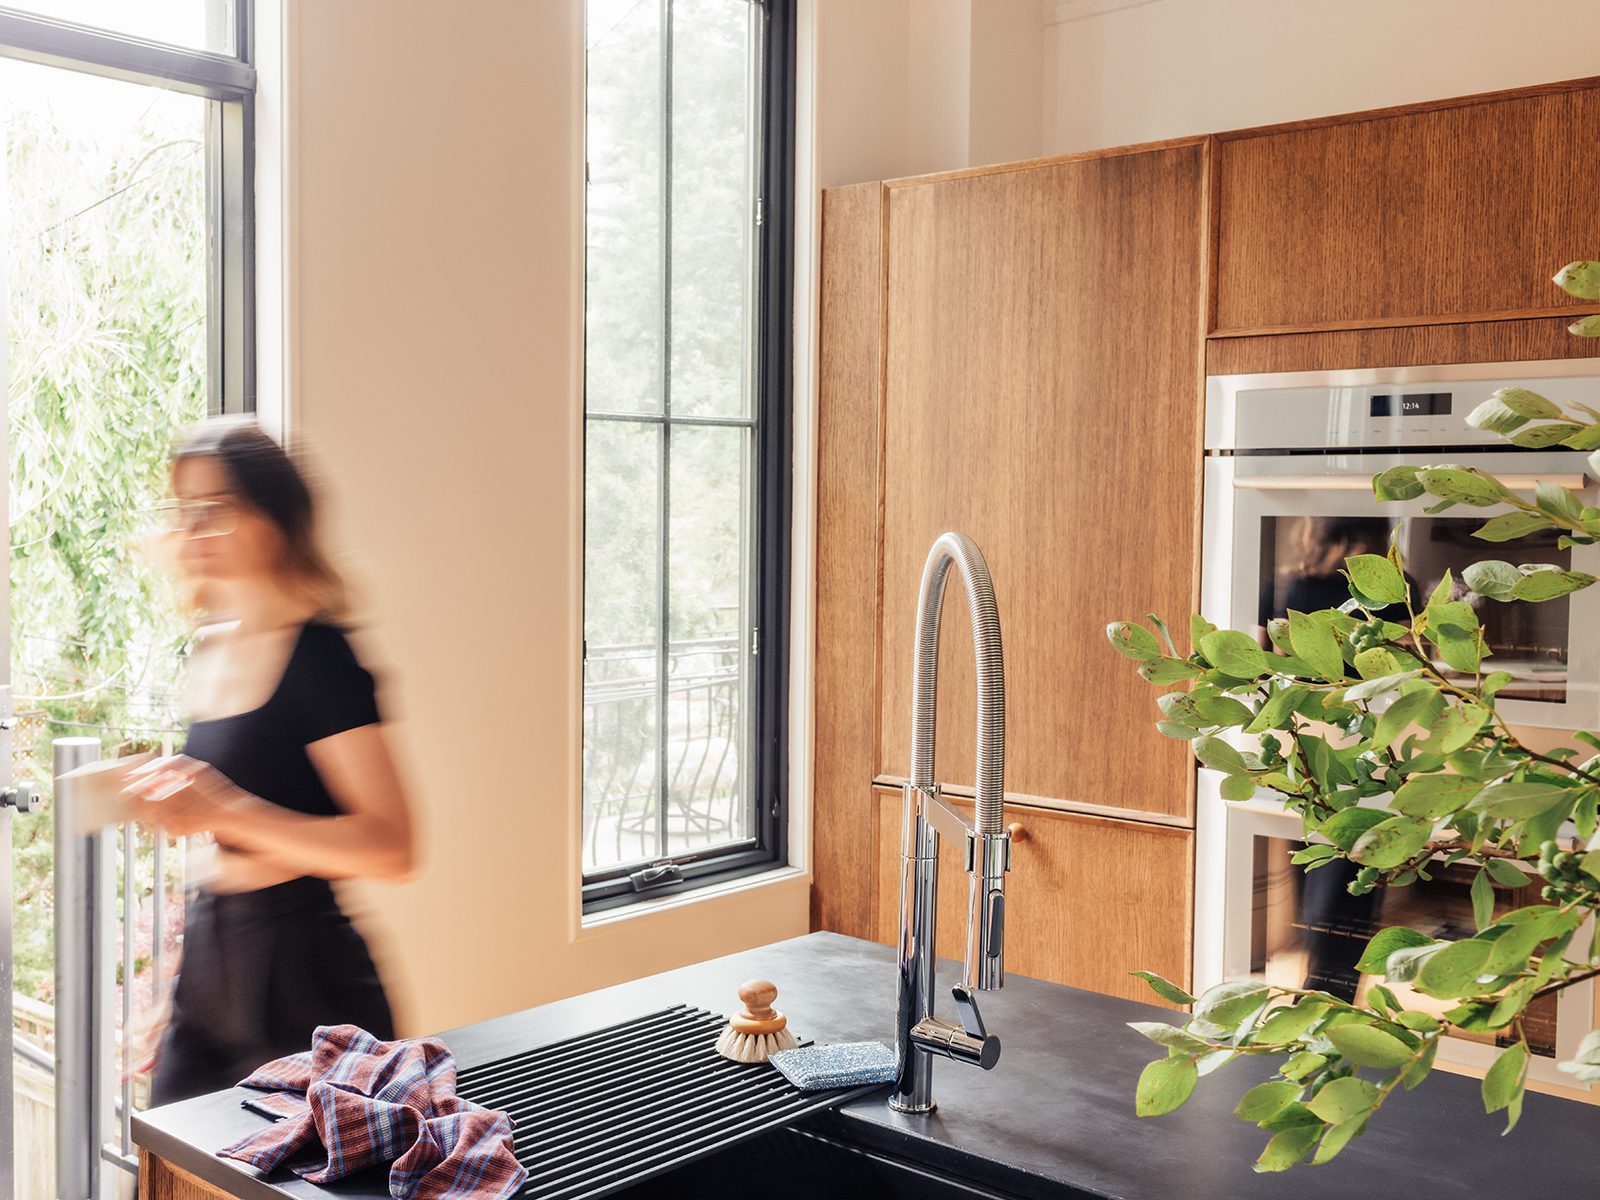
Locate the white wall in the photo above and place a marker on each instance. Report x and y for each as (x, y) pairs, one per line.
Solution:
(1170, 68)
(431, 238)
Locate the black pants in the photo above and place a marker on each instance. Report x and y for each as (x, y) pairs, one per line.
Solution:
(261, 970)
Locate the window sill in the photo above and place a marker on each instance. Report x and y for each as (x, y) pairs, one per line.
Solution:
(775, 877)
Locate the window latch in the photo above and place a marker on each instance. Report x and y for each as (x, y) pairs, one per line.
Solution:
(656, 875)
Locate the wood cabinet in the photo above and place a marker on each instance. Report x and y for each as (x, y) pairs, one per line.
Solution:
(1089, 900)
(1454, 211)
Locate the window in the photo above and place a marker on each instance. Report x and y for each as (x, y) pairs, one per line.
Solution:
(687, 314)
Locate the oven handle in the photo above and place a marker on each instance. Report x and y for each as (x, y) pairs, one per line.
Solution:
(1305, 483)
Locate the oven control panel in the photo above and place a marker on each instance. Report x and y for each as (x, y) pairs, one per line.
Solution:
(1360, 409)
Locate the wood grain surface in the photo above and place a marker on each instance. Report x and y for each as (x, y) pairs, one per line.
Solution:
(1407, 346)
(849, 445)
(1088, 900)
(160, 1180)
(1462, 209)
(1043, 396)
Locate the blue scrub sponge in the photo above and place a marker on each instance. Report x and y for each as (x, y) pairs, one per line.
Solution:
(850, 1064)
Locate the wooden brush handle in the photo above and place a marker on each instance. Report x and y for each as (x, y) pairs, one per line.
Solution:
(758, 1016)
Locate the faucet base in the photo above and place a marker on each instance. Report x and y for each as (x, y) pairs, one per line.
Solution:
(907, 1106)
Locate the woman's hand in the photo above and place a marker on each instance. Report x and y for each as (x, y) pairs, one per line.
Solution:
(182, 795)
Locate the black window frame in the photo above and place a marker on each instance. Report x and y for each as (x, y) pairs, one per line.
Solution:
(228, 84)
(772, 522)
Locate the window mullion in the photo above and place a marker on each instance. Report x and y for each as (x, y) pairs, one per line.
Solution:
(664, 502)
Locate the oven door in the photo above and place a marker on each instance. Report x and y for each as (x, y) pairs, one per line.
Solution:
(1280, 526)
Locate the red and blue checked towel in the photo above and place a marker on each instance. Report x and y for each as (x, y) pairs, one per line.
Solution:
(352, 1101)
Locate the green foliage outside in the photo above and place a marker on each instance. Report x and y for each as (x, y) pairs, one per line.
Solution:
(107, 362)
(1353, 708)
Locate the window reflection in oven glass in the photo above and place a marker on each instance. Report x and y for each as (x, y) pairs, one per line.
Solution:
(1301, 557)
(1308, 931)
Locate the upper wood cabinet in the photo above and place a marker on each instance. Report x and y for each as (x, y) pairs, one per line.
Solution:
(1042, 395)
(1433, 213)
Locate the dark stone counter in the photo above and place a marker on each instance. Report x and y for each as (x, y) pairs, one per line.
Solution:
(1054, 1118)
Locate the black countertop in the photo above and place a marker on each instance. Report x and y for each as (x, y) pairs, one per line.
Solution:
(1055, 1117)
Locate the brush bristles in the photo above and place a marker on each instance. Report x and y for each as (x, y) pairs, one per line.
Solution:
(753, 1047)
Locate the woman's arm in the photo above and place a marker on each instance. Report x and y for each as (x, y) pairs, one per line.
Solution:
(370, 837)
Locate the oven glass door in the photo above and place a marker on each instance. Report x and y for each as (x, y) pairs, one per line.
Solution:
(1296, 519)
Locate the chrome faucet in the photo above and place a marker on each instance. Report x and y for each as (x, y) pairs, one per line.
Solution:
(920, 1035)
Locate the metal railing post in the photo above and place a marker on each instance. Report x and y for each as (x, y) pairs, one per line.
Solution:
(85, 880)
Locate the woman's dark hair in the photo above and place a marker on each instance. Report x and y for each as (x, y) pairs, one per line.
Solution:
(265, 479)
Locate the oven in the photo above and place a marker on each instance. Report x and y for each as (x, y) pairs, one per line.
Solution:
(1288, 496)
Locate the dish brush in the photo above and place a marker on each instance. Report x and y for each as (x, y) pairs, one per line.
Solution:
(757, 1031)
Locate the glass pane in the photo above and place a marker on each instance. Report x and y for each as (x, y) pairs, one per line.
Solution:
(713, 203)
(106, 303)
(1301, 558)
(623, 318)
(192, 24)
(621, 606)
(706, 680)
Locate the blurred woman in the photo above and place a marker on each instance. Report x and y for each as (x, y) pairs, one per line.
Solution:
(286, 766)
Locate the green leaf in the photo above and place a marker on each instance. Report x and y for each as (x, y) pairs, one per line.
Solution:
(1512, 1003)
(1556, 500)
(1580, 279)
(1516, 801)
(1224, 710)
(1287, 1024)
(1378, 662)
(1492, 683)
(1458, 724)
(1503, 1080)
(1164, 1085)
(1392, 842)
(1266, 1100)
(1342, 1100)
(1198, 628)
(1343, 829)
(1275, 712)
(1547, 585)
(1182, 733)
(1367, 1047)
(1506, 872)
(1413, 706)
(1513, 948)
(1375, 959)
(1316, 852)
(1166, 635)
(1234, 653)
(1495, 416)
(1419, 1022)
(1302, 1064)
(1381, 686)
(1164, 672)
(1315, 644)
(1334, 1140)
(1528, 404)
(1418, 1070)
(1171, 1036)
(1453, 970)
(1461, 651)
(1541, 437)
(1482, 900)
(1511, 525)
(1164, 988)
(1287, 1148)
(1229, 1003)
(1433, 796)
(1461, 485)
(1237, 788)
(1377, 578)
(1218, 755)
(1134, 641)
(1492, 578)
(1397, 483)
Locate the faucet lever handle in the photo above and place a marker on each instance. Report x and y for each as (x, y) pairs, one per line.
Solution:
(971, 1018)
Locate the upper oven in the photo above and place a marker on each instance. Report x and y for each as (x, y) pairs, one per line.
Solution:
(1288, 497)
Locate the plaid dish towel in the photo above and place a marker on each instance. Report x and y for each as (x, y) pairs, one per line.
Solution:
(352, 1101)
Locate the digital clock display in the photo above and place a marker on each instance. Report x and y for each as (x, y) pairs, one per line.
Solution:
(1412, 404)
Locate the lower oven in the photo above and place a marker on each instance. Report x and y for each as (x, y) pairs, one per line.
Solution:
(1288, 497)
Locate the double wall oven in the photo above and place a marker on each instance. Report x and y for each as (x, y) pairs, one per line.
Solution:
(1288, 496)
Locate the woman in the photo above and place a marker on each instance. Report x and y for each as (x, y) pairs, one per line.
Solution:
(286, 765)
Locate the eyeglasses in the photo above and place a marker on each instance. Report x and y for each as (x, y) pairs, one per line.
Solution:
(198, 518)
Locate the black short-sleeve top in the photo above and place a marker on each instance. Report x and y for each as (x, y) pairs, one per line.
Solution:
(323, 691)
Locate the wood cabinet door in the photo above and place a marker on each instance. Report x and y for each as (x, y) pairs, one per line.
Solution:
(1432, 213)
(1088, 899)
(1043, 396)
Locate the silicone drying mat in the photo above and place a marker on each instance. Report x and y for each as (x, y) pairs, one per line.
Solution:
(609, 1109)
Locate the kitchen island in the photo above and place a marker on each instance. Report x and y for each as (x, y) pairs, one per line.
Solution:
(1054, 1118)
